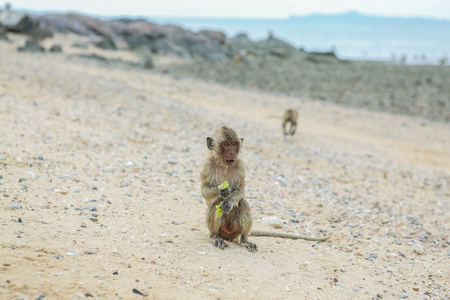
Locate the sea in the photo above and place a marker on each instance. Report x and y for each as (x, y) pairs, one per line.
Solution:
(354, 36)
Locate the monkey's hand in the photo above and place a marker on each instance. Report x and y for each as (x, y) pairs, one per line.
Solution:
(227, 205)
(225, 193)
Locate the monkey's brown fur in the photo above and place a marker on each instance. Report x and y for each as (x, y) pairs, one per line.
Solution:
(290, 116)
(225, 165)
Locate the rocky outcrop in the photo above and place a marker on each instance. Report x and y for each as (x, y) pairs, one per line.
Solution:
(16, 22)
(242, 46)
(12, 21)
(32, 46)
(150, 38)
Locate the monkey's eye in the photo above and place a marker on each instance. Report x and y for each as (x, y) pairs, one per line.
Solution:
(235, 143)
(226, 143)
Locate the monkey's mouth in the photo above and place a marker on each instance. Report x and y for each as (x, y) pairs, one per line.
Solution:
(230, 161)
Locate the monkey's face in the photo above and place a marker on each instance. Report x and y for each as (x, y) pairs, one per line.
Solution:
(229, 151)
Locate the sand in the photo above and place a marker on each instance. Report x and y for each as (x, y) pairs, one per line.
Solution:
(100, 192)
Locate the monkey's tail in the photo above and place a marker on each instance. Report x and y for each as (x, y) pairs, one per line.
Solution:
(288, 235)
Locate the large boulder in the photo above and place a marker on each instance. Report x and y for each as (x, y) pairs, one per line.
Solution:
(276, 47)
(16, 21)
(31, 46)
(242, 46)
(75, 23)
(172, 39)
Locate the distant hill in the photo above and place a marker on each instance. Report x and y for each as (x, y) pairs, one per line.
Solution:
(354, 16)
(351, 16)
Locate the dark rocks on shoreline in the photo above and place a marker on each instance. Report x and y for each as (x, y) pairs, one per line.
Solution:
(138, 33)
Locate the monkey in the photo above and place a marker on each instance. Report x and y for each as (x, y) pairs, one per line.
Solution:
(224, 164)
(290, 116)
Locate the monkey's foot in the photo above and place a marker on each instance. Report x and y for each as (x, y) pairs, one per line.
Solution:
(220, 243)
(251, 247)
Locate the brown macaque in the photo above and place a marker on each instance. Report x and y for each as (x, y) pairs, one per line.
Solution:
(290, 116)
(235, 222)
(222, 165)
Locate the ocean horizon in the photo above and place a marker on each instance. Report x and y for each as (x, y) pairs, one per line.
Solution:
(351, 36)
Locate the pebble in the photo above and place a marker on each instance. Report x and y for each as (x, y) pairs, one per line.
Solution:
(403, 296)
(90, 252)
(22, 179)
(15, 206)
(136, 291)
(90, 208)
(374, 255)
(71, 252)
(20, 220)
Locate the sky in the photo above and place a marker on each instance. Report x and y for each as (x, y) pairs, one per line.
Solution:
(261, 9)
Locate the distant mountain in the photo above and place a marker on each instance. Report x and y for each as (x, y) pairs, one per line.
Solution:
(354, 16)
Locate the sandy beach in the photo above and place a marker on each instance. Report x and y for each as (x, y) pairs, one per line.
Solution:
(100, 191)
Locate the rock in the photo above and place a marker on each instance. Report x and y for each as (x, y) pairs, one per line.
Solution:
(148, 63)
(74, 23)
(277, 48)
(136, 291)
(3, 34)
(106, 43)
(55, 48)
(321, 57)
(16, 21)
(242, 46)
(31, 46)
(90, 208)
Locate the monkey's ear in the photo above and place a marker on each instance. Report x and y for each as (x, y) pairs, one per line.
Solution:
(209, 143)
(241, 142)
